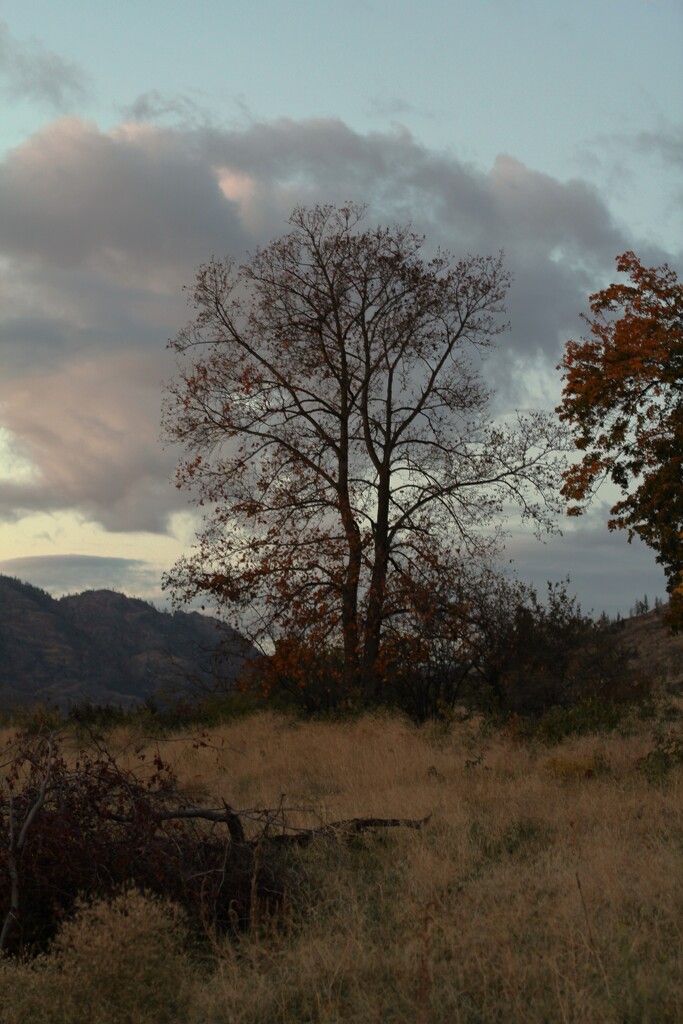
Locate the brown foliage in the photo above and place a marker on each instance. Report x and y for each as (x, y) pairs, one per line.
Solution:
(623, 396)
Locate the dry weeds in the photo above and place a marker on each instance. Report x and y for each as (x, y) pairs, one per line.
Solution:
(546, 886)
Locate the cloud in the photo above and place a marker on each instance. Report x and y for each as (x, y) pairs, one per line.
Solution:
(619, 161)
(664, 143)
(29, 71)
(560, 218)
(606, 571)
(91, 433)
(558, 237)
(130, 205)
(69, 574)
(396, 109)
(102, 229)
(667, 143)
(155, 106)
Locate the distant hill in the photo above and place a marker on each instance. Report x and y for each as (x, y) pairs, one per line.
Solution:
(104, 647)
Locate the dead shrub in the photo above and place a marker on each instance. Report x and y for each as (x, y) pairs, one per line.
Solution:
(90, 826)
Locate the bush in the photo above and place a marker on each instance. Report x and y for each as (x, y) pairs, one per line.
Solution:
(86, 716)
(92, 826)
(589, 715)
(118, 961)
(506, 652)
(665, 756)
(301, 677)
(551, 655)
(159, 717)
(443, 650)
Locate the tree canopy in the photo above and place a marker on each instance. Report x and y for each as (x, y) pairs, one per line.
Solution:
(623, 396)
(335, 423)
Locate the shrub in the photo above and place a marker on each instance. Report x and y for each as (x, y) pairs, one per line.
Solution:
(86, 716)
(589, 715)
(92, 826)
(665, 756)
(301, 677)
(118, 961)
(551, 655)
(506, 652)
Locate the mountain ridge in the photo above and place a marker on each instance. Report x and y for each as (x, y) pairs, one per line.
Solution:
(104, 647)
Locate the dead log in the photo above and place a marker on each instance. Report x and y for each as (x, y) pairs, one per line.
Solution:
(339, 830)
(292, 834)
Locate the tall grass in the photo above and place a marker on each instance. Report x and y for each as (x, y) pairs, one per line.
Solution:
(545, 887)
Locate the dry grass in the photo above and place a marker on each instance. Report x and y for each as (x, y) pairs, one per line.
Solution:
(546, 886)
(120, 963)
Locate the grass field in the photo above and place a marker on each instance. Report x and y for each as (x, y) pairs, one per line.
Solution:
(546, 885)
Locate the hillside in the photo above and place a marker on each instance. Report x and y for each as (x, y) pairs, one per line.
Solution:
(658, 656)
(105, 647)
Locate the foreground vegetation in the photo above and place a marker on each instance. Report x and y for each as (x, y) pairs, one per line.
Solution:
(545, 886)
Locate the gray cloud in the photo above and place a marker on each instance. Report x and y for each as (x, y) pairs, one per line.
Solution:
(558, 237)
(620, 160)
(667, 143)
(69, 574)
(101, 230)
(606, 571)
(130, 205)
(29, 71)
(51, 316)
(396, 109)
(398, 175)
(31, 340)
(664, 143)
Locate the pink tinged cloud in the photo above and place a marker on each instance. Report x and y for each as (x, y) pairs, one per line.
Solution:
(133, 202)
(91, 433)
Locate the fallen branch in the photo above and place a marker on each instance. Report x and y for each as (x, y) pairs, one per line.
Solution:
(273, 818)
(91, 824)
(340, 829)
(290, 834)
(226, 815)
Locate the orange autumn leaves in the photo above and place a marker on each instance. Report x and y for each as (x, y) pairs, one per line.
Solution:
(623, 397)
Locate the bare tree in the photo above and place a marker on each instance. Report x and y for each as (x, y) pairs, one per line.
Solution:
(336, 430)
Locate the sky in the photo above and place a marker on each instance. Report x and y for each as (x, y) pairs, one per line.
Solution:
(139, 139)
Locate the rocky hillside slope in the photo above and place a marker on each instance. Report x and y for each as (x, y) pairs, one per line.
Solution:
(657, 655)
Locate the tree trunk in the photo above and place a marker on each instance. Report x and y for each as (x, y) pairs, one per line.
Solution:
(370, 671)
(349, 611)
